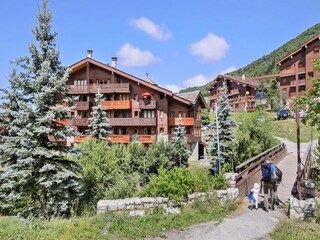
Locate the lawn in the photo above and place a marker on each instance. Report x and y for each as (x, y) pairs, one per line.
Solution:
(287, 129)
(113, 225)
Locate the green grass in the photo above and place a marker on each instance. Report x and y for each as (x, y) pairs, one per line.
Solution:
(115, 225)
(296, 230)
(287, 129)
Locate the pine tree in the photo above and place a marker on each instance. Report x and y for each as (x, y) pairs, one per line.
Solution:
(180, 154)
(226, 135)
(48, 184)
(98, 123)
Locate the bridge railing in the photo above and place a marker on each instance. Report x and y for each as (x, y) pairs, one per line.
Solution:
(249, 171)
(306, 160)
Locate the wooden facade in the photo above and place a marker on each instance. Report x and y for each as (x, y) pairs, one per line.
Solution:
(137, 109)
(241, 92)
(296, 69)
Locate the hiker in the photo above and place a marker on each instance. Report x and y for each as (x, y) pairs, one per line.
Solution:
(254, 196)
(268, 178)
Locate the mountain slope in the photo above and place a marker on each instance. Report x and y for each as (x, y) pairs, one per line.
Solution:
(267, 64)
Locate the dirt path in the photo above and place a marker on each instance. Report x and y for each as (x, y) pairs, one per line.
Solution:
(245, 223)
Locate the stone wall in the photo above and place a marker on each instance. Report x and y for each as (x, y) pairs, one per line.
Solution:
(137, 206)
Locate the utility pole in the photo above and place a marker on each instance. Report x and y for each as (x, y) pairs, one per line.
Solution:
(218, 139)
(298, 136)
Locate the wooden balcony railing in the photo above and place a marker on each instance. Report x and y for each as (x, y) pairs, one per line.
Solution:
(82, 122)
(185, 121)
(302, 82)
(147, 138)
(148, 104)
(78, 88)
(115, 138)
(117, 104)
(133, 121)
(63, 122)
(110, 88)
(79, 139)
(81, 105)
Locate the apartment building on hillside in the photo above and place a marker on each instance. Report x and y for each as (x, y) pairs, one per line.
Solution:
(137, 109)
(297, 68)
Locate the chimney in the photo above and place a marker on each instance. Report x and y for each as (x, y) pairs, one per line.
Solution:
(243, 76)
(114, 62)
(89, 52)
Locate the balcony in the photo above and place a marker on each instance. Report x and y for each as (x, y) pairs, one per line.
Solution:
(233, 92)
(148, 104)
(302, 82)
(110, 88)
(82, 105)
(79, 139)
(63, 122)
(133, 121)
(117, 104)
(185, 121)
(146, 138)
(78, 89)
(115, 138)
(80, 122)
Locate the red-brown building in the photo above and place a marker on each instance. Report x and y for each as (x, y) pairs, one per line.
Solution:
(297, 68)
(241, 92)
(138, 109)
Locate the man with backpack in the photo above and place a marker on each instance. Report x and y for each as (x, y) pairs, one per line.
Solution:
(271, 176)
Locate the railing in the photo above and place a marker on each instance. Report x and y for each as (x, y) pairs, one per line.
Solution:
(146, 138)
(110, 88)
(133, 121)
(301, 82)
(82, 105)
(79, 139)
(306, 161)
(249, 171)
(185, 121)
(78, 88)
(148, 104)
(79, 122)
(115, 138)
(63, 122)
(116, 104)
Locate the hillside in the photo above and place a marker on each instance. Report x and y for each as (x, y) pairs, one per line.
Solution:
(267, 64)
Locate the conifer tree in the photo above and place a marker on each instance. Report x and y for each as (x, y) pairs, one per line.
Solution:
(180, 152)
(226, 135)
(48, 184)
(98, 123)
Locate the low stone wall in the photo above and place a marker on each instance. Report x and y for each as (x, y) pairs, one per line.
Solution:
(136, 206)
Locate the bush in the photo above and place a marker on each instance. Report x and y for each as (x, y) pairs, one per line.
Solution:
(174, 184)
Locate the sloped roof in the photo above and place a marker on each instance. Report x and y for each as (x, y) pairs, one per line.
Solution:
(148, 79)
(300, 48)
(192, 97)
(252, 82)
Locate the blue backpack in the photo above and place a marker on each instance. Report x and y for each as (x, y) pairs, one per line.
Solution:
(266, 173)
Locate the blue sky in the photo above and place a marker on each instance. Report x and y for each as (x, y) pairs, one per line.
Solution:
(179, 43)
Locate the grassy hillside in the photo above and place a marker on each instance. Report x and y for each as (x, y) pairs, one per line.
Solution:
(267, 64)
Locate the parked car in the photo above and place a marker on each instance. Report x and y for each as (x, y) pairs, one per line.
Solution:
(302, 114)
(283, 114)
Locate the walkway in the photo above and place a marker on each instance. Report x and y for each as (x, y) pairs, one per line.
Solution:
(244, 223)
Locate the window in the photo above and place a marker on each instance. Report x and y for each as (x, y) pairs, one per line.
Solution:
(136, 113)
(310, 74)
(161, 130)
(161, 114)
(161, 96)
(284, 80)
(172, 114)
(136, 97)
(148, 114)
(80, 82)
(135, 130)
(316, 49)
(149, 130)
(83, 98)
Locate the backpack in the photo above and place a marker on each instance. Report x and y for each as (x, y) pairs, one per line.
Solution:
(266, 173)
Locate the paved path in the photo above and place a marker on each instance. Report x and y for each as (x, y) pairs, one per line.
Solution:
(244, 223)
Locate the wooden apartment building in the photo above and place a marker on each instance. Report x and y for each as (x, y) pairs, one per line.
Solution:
(137, 109)
(298, 66)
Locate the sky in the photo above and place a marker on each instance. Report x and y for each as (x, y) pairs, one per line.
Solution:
(178, 43)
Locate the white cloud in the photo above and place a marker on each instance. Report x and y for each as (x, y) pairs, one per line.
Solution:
(132, 56)
(229, 70)
(198, 80)
(150, 28)
(173, 88)
(212, 48)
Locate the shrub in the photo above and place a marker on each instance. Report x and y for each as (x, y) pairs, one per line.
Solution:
(174, 184)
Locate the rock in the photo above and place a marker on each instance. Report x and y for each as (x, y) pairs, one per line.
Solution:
(172, 210)
(137, 213)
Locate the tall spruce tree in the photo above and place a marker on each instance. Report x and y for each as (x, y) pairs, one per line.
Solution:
(226, 135)
(180, 152)
(47, 183)
(98, 123)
